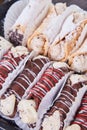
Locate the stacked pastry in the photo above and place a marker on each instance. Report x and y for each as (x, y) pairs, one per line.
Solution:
(80, 120)
(19, 86)
(51, 76)
(66, 104)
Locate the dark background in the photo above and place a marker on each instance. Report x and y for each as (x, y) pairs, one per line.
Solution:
(4, 6)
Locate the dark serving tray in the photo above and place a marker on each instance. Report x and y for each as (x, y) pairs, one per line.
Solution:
(4, 6)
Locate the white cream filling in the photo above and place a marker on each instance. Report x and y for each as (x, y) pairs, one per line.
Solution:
(52, 122)
(40, 56)
(19, 51)
(60, 64)
(75, 78)
(37, 44)
(57, 52)
(73, 127)
(27, 111)
(79, 63)
(7, 105)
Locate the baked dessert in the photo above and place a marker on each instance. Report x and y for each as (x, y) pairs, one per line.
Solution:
(47, 31)
(80, 119)
(67, 42)
(49, 79)
(78, 60)
(65, 105)
(30, 18)
(22, 82)
(11, 60)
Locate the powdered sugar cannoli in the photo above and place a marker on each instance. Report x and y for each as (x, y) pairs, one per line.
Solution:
(67, 42)
(66, 104)
(47, 31)
(30, 18)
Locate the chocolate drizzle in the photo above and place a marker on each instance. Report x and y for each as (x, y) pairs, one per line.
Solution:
(15, 37)
(48, 80)
(26, 77)
(7, 65)
(81, 116)
(64, 102)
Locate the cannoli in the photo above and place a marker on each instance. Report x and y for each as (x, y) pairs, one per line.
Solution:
(44, 36)
(20, 84)
(78, 60)
(28, 21)
(66, 104)
(80, 120)
(47, 31)
(10, 62)
(4, 46)
(67, 42)
(12, 15)
(50, 77)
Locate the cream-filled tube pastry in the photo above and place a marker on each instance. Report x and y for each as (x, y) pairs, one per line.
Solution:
(66, 104)
(80, 119)
(48, 80)
(4, 46)
(68, 41)
(44, 36)
(46, 33)
(18, 87)
(10, 62)
(78, 60)
(28, 21)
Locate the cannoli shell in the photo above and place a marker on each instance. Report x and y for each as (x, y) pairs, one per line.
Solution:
(42, 31)
(68, 41)
(80, 65)
(12, 14)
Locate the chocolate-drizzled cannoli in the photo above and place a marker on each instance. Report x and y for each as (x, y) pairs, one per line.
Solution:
(19, 86)
(10, 61)
(78, 60)
(80, 119)
(4, 46)
(67, 43)
(30, 18)
(65, 105)
(50, 77)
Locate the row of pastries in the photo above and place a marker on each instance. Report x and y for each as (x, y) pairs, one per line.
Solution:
(43, 66)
